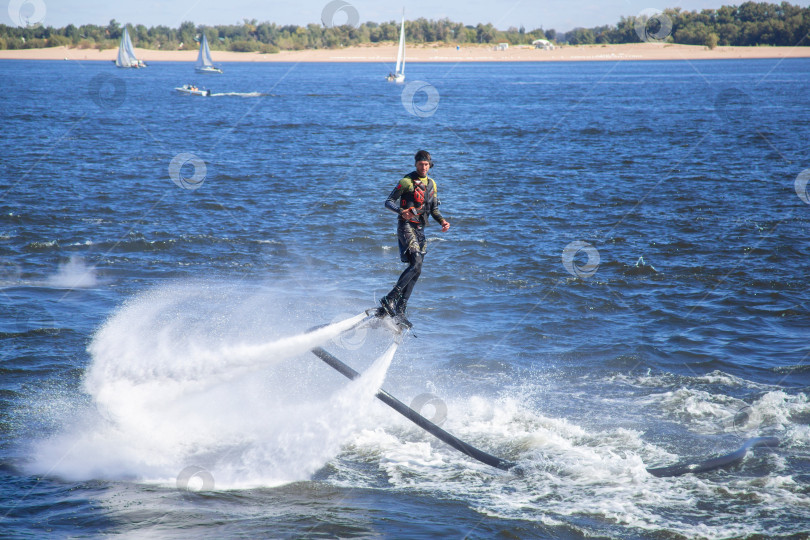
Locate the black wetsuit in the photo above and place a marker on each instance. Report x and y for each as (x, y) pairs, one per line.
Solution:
(410, 234)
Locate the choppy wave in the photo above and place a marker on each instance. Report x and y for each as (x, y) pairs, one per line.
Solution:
(689, 335)
(200, 376)
(581, 476)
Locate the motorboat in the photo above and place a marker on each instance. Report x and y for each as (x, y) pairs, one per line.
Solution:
(193, 90)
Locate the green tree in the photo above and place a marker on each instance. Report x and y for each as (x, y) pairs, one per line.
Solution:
(114, 30)
(141, 34)
(58, 40)
(72, 33)
(580, 36)
(187, 32)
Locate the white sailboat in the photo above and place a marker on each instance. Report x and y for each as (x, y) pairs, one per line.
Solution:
(126, 54)
(204, 63)
(399, 73)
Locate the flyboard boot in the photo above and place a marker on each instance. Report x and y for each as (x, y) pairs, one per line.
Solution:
(388, 303)
(399, 313)
(393, 305)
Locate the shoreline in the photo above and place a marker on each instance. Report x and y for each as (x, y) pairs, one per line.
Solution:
(386, 53)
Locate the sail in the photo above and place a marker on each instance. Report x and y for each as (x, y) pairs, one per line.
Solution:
(204, 56)
(126, 54)
(400, 69)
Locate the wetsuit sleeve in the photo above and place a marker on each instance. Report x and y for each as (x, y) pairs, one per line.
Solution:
(392, 202)
(434, 208)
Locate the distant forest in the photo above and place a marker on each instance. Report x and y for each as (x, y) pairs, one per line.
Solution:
(749, 24)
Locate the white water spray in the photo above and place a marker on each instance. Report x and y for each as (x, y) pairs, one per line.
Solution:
(74, 274)
(187, 376)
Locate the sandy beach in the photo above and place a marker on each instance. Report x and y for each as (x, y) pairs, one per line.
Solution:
(386, 53)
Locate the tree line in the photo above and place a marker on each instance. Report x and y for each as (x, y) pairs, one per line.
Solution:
(751, 23)
(261, 37)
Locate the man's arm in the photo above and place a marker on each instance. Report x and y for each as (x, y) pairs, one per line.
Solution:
(434, 210)
(436, 214)
(392, 202)
(443, 222)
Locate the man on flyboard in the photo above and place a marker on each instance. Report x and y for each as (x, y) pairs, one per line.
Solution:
(414, 198)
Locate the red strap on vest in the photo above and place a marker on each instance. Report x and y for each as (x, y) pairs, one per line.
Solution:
(419, 193)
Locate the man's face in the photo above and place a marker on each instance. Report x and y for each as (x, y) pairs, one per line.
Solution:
(422, 168)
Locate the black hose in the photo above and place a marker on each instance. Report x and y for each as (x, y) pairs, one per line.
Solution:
(417, 418)
(725, 460)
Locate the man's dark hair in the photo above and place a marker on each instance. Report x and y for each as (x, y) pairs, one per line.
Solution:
(423, 155)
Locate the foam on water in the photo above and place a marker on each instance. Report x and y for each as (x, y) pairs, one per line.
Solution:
(180, 376)
(585, 475)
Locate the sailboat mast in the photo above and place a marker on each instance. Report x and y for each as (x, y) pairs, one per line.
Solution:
(401, 51)
(200, 59)
(402, 41)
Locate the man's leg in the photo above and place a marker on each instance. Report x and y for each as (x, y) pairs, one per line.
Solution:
(394, 302)
(411, 244)
(408, 280)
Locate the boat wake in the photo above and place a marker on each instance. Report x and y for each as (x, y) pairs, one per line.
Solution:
(240, 94)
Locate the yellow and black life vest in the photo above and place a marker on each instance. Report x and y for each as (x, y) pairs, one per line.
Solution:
(415, 199)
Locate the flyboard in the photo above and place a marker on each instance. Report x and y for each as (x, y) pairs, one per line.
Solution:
(465, 448)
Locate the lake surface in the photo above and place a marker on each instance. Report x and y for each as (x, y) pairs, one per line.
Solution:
(624, 286)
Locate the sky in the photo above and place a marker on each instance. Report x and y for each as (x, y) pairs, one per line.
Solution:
(561, 15)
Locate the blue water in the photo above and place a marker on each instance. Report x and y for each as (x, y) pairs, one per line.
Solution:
(624, 285)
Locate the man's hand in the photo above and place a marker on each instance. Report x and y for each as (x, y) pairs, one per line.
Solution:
(408, 214)
(445, 225)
